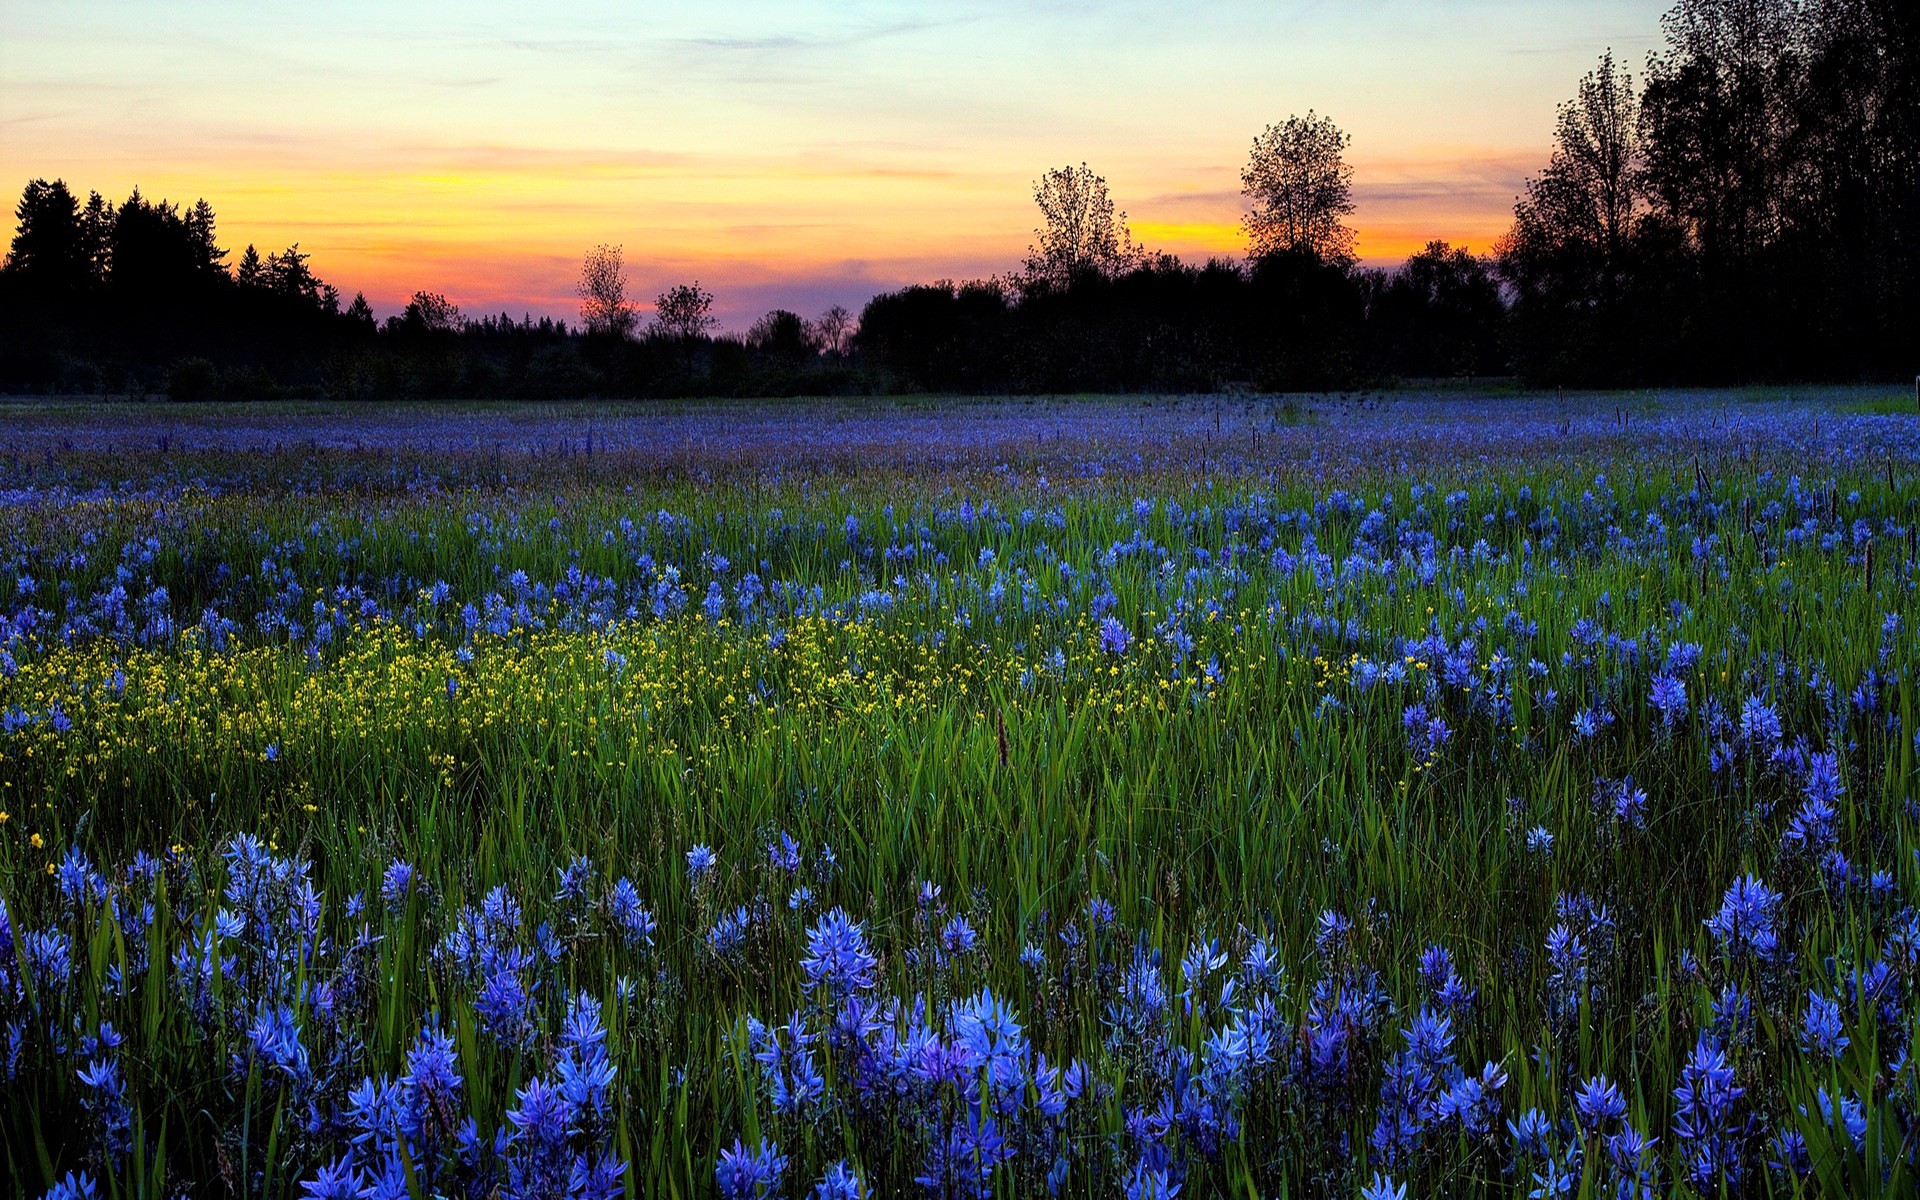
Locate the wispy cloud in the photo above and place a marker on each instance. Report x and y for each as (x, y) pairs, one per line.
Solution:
(855, 36)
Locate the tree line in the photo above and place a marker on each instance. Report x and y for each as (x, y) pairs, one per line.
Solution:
(1745, 209)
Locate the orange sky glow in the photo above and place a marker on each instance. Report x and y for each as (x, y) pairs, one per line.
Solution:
(790, 155)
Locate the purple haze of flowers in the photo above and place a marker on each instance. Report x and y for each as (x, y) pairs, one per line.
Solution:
(1114, 638)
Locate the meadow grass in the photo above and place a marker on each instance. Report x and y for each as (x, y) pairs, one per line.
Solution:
(1184, 763)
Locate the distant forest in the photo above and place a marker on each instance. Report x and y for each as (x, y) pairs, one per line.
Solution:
(1746, 209)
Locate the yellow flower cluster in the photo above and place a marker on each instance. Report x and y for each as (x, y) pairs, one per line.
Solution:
(613, 699)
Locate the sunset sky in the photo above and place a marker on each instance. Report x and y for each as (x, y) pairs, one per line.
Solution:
(790, 154)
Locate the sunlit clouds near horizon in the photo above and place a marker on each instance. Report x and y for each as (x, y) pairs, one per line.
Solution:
(794, 154)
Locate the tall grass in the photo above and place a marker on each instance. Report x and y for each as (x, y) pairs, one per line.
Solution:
(1248, 768)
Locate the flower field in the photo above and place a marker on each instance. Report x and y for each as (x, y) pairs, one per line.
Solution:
(1390, 797)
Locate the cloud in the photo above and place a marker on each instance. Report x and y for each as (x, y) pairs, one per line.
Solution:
(836, 41)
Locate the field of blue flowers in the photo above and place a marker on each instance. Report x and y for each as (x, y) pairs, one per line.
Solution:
(1384, 797)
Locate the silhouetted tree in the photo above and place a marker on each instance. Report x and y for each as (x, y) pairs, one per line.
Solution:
(833, 330)
(208, 257)
(1079, 231)
(1301, 188)
(428, 313)
(940, 337)
(1753, 214)
(783, 335)
(287, 275)
(1718, 98)
(1850, 215)
(48, 251)
(157, 258)
(96, 237)
(1440, 315)
(683, 313)
(251, 273)
(604, 307)
(1568, 249)
(1594, 268)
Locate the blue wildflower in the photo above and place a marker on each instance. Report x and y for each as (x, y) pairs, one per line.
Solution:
(840, 1183)
(749, 1175)
(396, 883)
(1383, 1187)
(1150, 1182)
(838, 960)
(1745, 923)
(632, 918)
(1669, 697)
(1823, 1030)
(337, 1180)
(74, 1187)
(1705, 1118)
(1760, 725)
(1599, 1104)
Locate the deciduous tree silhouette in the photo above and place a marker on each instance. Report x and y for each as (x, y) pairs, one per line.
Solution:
(833, 331)
(682, 315)
(782, 334)
(1079, 231)
(1439, 315)
(1718, 101)
(683, 312)
(604, 307)
(428, 312)
(1572, 226)
(1302, 189)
